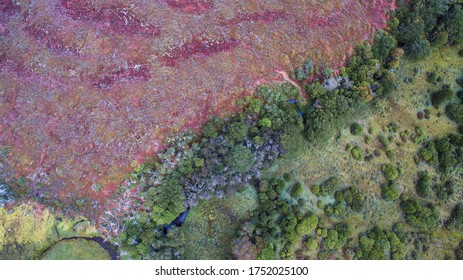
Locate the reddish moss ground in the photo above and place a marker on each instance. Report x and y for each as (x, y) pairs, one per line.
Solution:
(88, 87)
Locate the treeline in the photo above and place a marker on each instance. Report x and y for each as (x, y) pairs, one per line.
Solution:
(422, 24)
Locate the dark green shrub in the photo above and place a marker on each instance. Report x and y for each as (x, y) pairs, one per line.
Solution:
(455, 112)
(448, 157)
(424, 217)
(420, 49)
(431, 77)
(297, 190)
(390, 172)
(429, 154)
(460, 81)
(209, 130)
(441, 96)
(240, 159)
(351, 197)
(356, 129)
(329, 186)
(423, 185)
(445, 191)
(357, 153)
(384, 45)
(457, 216)
(454, 22)
(237, 131)
(390, 191)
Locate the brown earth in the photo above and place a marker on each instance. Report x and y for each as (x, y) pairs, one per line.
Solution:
(90, 87)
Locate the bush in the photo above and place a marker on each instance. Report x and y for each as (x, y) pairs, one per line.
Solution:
(331, 240)
(432, 78)
(390, 172)
(6, 195)
(297, 190)
(336, 108)
(240, 159)
(441, 96)
(384, 45)
(356, 129)
(329, 186)
(429, 154)
(459, 252)
(311, 244)
(351, 197)
(307, 225)
(390, 191)
(455, 112)
(357, 153)
(373, 245)
(209, 130)
(457, 216)
(447, 154)
(423, 185)
(445, 191)
(300, 74)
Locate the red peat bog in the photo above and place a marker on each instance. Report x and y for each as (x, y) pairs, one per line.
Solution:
(89, 87)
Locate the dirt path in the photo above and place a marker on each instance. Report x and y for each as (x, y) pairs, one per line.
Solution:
(293, 82)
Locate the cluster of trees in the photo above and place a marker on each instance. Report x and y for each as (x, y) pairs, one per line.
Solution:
(419, 215)
(456, 219)
(379, 244)
(420, 24)
(327, 188)
(441, 96)
(454, 112)
(424, 184)
(445, 153)
(336, 238)
(347, 199)
(279, 223)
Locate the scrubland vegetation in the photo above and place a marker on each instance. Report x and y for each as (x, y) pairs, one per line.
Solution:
(244, 207)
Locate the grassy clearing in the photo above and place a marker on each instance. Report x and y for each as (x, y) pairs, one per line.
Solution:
(212, 225)
(78, 249)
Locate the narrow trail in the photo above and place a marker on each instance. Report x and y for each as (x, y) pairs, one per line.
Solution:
(293, 82)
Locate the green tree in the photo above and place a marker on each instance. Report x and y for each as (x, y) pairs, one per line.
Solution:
(356, 129)
(390, 191)
(419, 49)
(390, 172)
(240, 159)
(441, 96)
(455, 112)
(423, 185)
(307, 224)
(238, 131)
(454, 24)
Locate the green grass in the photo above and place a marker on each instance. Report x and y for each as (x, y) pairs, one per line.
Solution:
(212, 225)
(78, 249)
